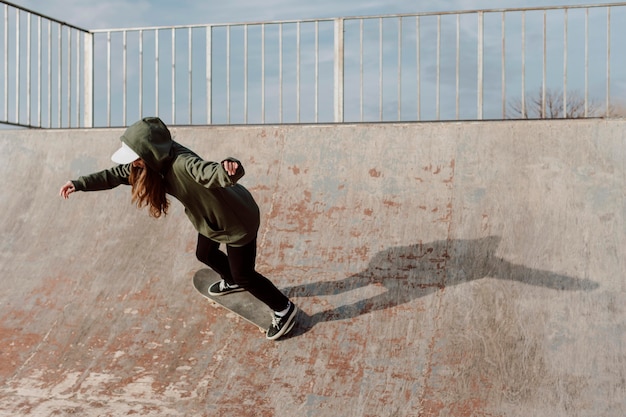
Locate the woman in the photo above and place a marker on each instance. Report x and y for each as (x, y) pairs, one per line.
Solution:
(222, 211)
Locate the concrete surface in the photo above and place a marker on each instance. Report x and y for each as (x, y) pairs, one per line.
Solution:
(443, 269)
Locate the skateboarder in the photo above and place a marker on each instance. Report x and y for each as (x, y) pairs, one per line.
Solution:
(221, 210)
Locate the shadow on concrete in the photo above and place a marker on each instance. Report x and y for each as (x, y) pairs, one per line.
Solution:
(406, 273)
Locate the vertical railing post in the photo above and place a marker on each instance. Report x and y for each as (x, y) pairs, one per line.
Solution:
(49, 77)
(124, 77)
(298, 72)
(380, 69)
(565, 66)
(69, 77)
(17, 67)
(28, 71)
(280, 73)
(544, 73)
(156, 71)
(190, 73)
(339, 67)
(39, 60)
(59, 92)
(263, 73)
(88, 66)
(524, 115)
(228, 74)
(109, 79)
(586, 62)
(503, 65)
(361, 70)
(78, 92)
(245, 74)
(480, 70)
(317, 71)
(438, 71)
(209, 71)
(173, 75)
(140, 64)
(458, 67)
(607, 109)
(6, 63)
(418, 68)
(399, 84)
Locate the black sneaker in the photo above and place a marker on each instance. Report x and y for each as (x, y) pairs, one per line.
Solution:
(282, 325)
(222, 287)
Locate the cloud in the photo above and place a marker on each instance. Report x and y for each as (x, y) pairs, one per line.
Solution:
(138, 13)
(88, 15)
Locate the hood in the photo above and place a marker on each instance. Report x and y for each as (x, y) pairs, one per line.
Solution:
(151, 140)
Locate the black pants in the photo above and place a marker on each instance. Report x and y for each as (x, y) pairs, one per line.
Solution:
(239, 268)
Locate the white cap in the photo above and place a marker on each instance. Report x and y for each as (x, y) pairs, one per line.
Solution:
(124, 155)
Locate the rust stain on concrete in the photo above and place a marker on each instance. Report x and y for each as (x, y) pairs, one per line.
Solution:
(375, 173)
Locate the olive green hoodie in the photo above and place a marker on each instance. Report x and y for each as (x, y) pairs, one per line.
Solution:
(217, 206)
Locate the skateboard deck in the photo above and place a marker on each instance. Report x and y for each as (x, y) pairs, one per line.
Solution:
(241, 303)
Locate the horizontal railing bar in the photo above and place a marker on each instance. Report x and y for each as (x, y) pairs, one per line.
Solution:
(60, 22)
(364, 17)
(212, 25)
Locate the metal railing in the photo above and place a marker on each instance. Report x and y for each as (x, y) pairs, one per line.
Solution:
(467, 65)
(46, 79)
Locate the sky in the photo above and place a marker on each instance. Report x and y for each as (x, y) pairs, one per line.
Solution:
(438, 87)
(106, 14)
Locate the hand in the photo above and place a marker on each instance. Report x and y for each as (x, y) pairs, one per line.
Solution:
(230, 167)
(67, 189)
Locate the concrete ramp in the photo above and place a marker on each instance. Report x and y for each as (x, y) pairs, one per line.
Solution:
(442, 269)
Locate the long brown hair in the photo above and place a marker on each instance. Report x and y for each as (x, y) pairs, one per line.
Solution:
(148, 189)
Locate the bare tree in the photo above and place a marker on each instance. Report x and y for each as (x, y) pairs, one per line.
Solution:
(551, 106)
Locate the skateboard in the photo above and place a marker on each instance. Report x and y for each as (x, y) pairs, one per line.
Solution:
(242, 303)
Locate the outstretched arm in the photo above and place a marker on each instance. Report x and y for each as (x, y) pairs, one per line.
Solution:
(103, 180)
(213, 174)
